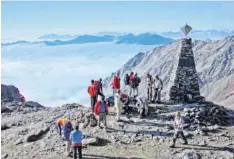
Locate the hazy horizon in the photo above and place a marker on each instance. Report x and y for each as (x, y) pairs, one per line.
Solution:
(40, 18)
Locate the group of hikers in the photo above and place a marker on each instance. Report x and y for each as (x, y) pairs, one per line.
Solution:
(122, 102)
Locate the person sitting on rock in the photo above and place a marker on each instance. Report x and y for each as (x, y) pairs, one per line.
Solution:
(118, 105)
(110, 101)
(66, 131)
(143, 107)
(178, 126)
(76, 140)
(126, 101)
(101, 110)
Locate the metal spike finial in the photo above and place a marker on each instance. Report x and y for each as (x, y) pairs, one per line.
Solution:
(186, 29)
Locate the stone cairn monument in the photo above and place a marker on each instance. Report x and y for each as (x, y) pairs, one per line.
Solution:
(185, 87)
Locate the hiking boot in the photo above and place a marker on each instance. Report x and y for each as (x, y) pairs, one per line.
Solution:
(185, 143)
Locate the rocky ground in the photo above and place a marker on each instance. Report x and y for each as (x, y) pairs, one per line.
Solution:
(33, 134)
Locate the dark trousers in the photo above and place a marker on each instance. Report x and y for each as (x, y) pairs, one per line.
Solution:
(176, 135)
(101, 94)
(79, 148)
(93, 102)
(155, 94)
(149, 92)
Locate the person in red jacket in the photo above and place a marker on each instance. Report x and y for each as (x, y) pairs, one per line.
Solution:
(93, 94)
(101, 110)
(115, 83)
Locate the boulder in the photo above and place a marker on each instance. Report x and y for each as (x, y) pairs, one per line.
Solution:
(4, 126)
(90, 141)
(191, 155)
(9, 93)
(36, 134)
(5, 109)
(18, 142)
(5, 155)
(32, 104)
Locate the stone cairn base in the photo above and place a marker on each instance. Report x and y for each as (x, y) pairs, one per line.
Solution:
(186, 87)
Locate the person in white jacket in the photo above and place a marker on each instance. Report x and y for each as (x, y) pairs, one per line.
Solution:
(178, 126)
(118, 105)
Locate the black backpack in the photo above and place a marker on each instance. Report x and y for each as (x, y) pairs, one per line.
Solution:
(126, 79)
(138, 80)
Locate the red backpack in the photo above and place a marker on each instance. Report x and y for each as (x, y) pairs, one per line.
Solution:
(96, 85)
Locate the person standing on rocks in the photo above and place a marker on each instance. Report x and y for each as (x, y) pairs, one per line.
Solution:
(98, 85)
(132, 84)
(93, 94)
(66, 131)
(158, 86)
(115, 83)
(143, 107)
(178, 126)
(101, 110)
(76, 140)
(149, 84)
(137, 83)
(118, 105)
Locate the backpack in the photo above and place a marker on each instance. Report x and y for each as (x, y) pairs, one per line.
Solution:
(126, 79)
(97, 85)
(138, 80)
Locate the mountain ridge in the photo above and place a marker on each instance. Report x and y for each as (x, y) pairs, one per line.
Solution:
(141, 39)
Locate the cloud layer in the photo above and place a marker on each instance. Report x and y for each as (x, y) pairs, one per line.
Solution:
(57, 75)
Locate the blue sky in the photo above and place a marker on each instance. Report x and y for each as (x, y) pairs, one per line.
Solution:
(22, 19)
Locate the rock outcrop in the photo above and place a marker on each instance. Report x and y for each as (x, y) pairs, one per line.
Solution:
(11, 102)
(9, 93)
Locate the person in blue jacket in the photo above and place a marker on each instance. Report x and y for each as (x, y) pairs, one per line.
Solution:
(76, 139)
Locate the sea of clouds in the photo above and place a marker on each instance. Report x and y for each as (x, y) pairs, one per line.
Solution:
(55, 75)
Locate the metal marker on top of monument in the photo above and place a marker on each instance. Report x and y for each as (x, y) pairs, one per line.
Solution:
(186, 29)
(185, 87)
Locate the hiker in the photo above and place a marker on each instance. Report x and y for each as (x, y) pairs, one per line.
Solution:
(149, 84)
(66, 131)
(101, 110)
(126, 79)
(118, 105)
(115, 83)
(178, 126)
(93, 94)
(76, 140)
(126, 101)
(132, 84)
(60, 122)
(158, 86)
(137, 82)
(143, 107)
(98, 86)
